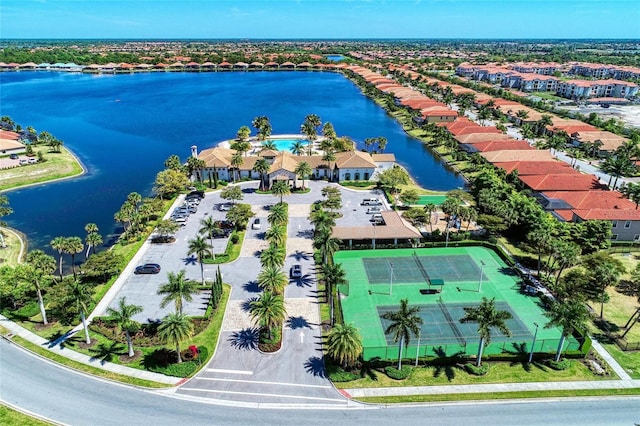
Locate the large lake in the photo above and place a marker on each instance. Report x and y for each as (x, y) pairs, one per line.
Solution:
(123, 127)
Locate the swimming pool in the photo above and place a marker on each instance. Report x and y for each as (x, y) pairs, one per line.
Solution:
(285, 144)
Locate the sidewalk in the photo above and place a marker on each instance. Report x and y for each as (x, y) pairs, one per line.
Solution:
(17, 330)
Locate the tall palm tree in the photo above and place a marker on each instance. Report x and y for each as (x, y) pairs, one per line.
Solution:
(92, 240)
(178, 288)
(122, 316)
(334, 275)
(280, 189)
(268, 311)
(262, 126)
(321, 220)
(209, 228)
(276, 235)
(327, 244)
(278, 214)
(198, 246)
(344, 344)
(487, 316)
(273, 256)
(91, 227)
(268, 144)
(73, 246)
(43, 266)
(429, 209)
(236, 162)
(273, 280)
(262, 166)
(58, 244)
(329, 156)
(297, 147)
(404, 322)
(303, 170)
(175, 328)
(569, 315)
(78, 298)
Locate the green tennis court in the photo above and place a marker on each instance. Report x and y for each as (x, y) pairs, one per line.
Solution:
(441, 282)
(431, 199)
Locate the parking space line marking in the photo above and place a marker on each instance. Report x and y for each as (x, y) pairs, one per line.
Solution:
(221, 370)
(275, 395)
(264, 383)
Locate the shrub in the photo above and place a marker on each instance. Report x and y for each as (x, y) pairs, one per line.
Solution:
(563, 364)
(476, 371)
(396, 374)
(338, 374)
(235, 238)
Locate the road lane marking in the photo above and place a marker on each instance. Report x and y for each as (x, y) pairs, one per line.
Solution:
(264, 383)
(221, 370)
(274, 395)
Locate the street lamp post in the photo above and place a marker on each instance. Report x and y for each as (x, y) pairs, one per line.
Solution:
(390, 278)
(481, 274)
(418, 349)
(533, 344)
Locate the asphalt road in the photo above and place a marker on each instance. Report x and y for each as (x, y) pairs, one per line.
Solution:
(68, 397)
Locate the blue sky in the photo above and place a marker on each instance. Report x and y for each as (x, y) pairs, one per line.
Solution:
(337, 19)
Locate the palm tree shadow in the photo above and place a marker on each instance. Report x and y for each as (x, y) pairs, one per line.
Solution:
(105, 352)
(252, 287)
(191, 260)
(300, 255)
(246, 305)
(368, 368)
(297, 322)
(246, 339)
(315, 366)
(304, 281)
(446, 364)
(59, 338)
(521, 354)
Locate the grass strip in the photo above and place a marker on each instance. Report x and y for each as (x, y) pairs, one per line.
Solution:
(86, 368)
(497, 395)
(9, 416)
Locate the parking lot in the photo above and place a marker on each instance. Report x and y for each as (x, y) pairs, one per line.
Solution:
(142, 289)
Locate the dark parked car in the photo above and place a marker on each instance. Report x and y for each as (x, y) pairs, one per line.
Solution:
(13, 156)
(224, 224)
(148, 268)
(221, 233)
(199, 194)
(295, 271)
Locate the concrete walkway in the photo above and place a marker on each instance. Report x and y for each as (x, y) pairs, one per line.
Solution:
(57, 349)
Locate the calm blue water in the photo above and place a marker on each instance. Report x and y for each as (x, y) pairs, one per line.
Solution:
(123, 127)
(335, 58)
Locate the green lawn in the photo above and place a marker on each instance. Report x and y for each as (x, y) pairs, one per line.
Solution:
(499, 372)
(9, 416)
(57, 166)
(10, 255)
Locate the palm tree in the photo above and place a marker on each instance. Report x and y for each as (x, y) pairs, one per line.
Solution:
(177, 289)
(276, 235)
(236, 162)
(209, 227)
(280, 189)
(92, 240)
(327, 244)
(268, 311)
(58, 244)
(273, 256)
(429, 209)
(334, 275)
(268, 144)
(243, 133)
(329, 156)
(297, 147)
(278, 214)
(198, 246)
(73, 246)
(43, 266)
(344, 344)
(271, 279)
(122, 317)
(569, 315)
(78, 298)
(321, 220)
(262, 166)
(175, 328)
(487, 316)
(303, 170)
(91, 227)
(263, 127)
(404, 321)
